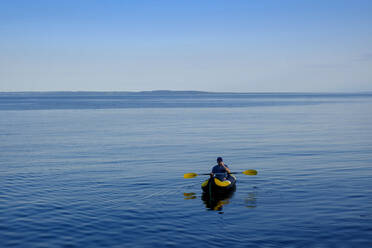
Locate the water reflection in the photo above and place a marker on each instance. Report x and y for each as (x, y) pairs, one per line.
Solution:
(215, 201)
(250, 201)
(189, 196)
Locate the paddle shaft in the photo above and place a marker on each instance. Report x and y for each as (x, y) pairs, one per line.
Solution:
(220, 173)
(247, 172)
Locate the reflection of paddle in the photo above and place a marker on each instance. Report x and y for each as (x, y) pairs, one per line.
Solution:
(189, 196)
(246, 172)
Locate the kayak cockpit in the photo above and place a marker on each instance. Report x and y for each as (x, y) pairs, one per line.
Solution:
(214, 184)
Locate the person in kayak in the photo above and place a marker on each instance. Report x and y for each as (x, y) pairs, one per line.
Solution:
(220, 170)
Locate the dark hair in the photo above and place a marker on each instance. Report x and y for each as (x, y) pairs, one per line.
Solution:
(219, 159)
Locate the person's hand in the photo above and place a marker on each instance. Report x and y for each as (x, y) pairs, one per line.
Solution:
(211, 174)
(227, 169)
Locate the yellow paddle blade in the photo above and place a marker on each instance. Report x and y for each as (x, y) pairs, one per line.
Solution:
(190, 175)
(250, 172)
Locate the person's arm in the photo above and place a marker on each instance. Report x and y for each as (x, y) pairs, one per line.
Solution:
(226, 168)
(212, 172)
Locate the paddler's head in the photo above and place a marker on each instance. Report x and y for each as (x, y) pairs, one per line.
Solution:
(219, 160)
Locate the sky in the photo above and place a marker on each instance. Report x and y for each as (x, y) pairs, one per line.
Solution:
(228, 46)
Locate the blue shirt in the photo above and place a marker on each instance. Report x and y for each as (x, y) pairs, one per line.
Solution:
(220, 169)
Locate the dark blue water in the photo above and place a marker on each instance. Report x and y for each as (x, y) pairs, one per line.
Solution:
(106, 169)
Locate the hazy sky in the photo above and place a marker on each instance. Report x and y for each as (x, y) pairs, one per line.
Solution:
(186, 45)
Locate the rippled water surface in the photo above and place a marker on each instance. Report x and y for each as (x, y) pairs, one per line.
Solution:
(106, 169)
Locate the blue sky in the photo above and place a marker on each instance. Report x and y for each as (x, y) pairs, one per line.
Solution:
(238, 46)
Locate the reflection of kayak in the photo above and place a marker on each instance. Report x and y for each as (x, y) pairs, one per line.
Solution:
(215, 185)
(217, 201)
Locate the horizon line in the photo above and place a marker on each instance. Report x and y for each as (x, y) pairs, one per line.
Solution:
(191, 91)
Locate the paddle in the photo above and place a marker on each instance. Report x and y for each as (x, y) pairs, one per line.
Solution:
(246, 172)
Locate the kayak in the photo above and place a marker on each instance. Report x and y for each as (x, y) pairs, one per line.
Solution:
(215, 185)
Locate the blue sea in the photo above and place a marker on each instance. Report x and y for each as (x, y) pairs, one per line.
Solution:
(105, 169)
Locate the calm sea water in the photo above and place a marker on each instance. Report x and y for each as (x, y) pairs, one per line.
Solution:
(106, 169)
